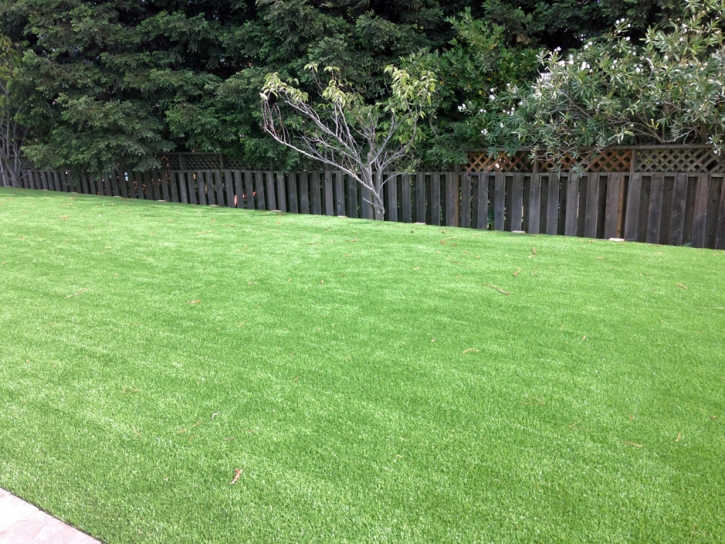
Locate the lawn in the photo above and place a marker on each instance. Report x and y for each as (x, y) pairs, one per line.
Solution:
(371, 381)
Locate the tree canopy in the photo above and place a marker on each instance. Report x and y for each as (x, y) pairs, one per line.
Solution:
(122, 81)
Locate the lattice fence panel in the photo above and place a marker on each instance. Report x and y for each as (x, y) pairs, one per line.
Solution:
(699, 160)
(483, 162)
(609, 160)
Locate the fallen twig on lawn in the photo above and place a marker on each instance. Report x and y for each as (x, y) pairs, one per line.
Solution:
(498, 289)
(78, 293)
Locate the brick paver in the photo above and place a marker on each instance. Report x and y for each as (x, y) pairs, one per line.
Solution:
(22, 523)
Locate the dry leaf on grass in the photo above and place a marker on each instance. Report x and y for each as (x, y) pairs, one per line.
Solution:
(196, 424)
(683, 286)
(134, 430)
(470, 350)
(432, 340)
(679, 436)
(446, 239)
(237, 474)
(633, 444)
(533, 250)
(516, 274)
(192, 302)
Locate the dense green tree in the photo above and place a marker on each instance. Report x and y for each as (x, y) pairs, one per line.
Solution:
(123, 81)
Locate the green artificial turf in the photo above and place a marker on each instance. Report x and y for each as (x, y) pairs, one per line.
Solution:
(371, 380)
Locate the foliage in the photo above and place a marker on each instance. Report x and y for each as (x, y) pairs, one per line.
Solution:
(12, 134)
(343, 130)
(668, 90)
(479, 58)
(121, 81)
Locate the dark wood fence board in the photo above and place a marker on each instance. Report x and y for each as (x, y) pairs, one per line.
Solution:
(392, 198)
(173, 186)
(261, 189)
(720, 232)
(679, 200)
(292, 192)
(352, 198)
(631, 224)
(420, 207)
(517, 201)
(281, 192)
(304, 192)
(611, 211)
(654, 212)
(229, 188)
(699, 222)
(114, 184)
(552, 206)
(592, 206)
(712, 211)
(329, 202)
(339, 194)
(499, 201)
(644, 207)
(219, 182)
(405, 199)
(479, 204)
(249, 201)
(435, 198)
(451, 199)
(315, 193)
(572, 204)
(366, 207)
(668, 190)
(466, 200)
(269, 191)
(534, 222)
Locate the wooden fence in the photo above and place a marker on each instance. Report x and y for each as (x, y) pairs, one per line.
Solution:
(654, 207)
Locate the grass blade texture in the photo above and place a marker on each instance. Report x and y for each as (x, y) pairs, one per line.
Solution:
(357, 381)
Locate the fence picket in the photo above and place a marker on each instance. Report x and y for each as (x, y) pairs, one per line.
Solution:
(261, 197)
(405, 199)
(720, 229)
(365, 205)
(517, 204)
(315, 193)
(534, 204)
(292, 192)
(352, 197)
(304, 192)
(248, 192)
(272, 197)
(654, 212)
(392, 193)
(281, 193)
(466, 200)
(435, 198)
(700, 218)
(339, 193)
(631, 220)
(552, 205)
(451, 200)
(499, 203)
(329, 202)
(611, 212)
(420, 211)
(592, 206)
(712, 211)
